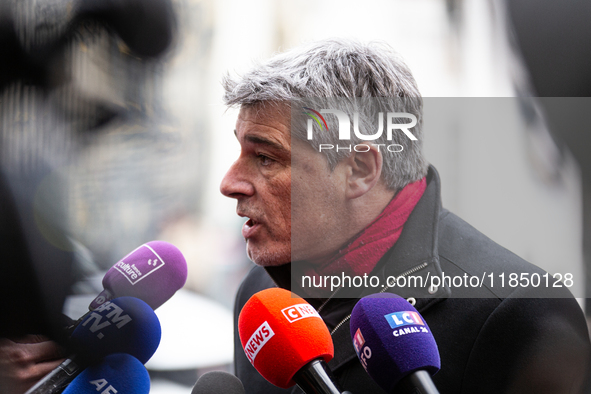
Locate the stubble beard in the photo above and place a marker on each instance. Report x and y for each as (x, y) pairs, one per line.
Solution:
(268, 258)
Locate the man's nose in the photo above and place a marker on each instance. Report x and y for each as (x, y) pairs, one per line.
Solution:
(236, 182)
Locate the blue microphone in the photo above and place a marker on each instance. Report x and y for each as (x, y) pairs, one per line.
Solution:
(123, 325)
(116, 373)
(394, 344)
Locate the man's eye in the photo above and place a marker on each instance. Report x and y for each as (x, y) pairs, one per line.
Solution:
(265, 160)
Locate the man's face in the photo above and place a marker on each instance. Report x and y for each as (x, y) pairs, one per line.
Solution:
(261, 182)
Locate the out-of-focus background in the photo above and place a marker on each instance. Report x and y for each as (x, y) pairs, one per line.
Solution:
(139, 144)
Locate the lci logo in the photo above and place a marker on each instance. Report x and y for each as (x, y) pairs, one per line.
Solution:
(404, 318)
(345, 128)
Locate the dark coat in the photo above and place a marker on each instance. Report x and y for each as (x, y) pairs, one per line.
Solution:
(491, 339)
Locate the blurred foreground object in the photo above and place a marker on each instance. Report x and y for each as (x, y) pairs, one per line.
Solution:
(48, 104)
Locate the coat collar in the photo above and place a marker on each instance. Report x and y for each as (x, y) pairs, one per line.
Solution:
(414, 254)
(416, 249)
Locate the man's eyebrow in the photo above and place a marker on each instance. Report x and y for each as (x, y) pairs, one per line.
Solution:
(255, 139)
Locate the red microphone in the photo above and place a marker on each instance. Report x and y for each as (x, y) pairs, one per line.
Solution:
(286, 340)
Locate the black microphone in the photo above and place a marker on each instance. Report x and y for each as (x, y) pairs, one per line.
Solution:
(123, 325)
(394, 344)
(216, 382)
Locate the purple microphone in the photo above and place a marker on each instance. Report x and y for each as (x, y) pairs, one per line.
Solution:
(153, 273)
(394, 344)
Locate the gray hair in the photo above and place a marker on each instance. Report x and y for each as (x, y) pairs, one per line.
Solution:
(342, 70)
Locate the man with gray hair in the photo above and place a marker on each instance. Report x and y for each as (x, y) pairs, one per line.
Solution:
(327, 198)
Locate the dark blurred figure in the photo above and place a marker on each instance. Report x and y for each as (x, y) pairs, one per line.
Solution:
(43, 119)
(554, 39)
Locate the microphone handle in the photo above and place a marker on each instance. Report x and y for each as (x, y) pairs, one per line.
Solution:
(418, 382)
(57, 380)
(316, 378)
(69, 330)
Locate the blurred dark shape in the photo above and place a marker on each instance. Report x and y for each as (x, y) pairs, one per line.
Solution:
(41, 120)
(16, 64)
(146, 26)
(36, 274)
(554, 39)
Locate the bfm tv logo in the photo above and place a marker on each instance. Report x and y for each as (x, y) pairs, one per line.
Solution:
(345, 129)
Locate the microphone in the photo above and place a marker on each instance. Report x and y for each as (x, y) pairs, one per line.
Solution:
(286, 340)
(116, 373)
(123, 325)
(394, 344)
(216, 382)
(152, 272)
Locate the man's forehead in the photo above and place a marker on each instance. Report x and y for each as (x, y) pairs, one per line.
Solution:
(265, 112)
(266, 126)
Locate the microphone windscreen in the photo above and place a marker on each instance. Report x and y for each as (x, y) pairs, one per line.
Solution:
(153, 273)
(392, 339)
(116, 373)
(215, 382)
(281, 333)
(123, 325)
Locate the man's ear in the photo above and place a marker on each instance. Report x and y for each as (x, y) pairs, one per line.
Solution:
(365, 170)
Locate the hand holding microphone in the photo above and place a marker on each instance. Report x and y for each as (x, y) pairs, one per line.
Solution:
(394, 344)
(287, 342)
(123, 325)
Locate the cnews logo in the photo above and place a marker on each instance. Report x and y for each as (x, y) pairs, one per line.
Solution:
(256, 342)
(405, 318)
(298, 312)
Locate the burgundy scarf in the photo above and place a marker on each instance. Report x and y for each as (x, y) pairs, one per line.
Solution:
(362, 254)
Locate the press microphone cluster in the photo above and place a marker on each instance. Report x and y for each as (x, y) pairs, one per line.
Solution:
(394, 344)
(121, 319)
(287, 341)
(123, 325)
